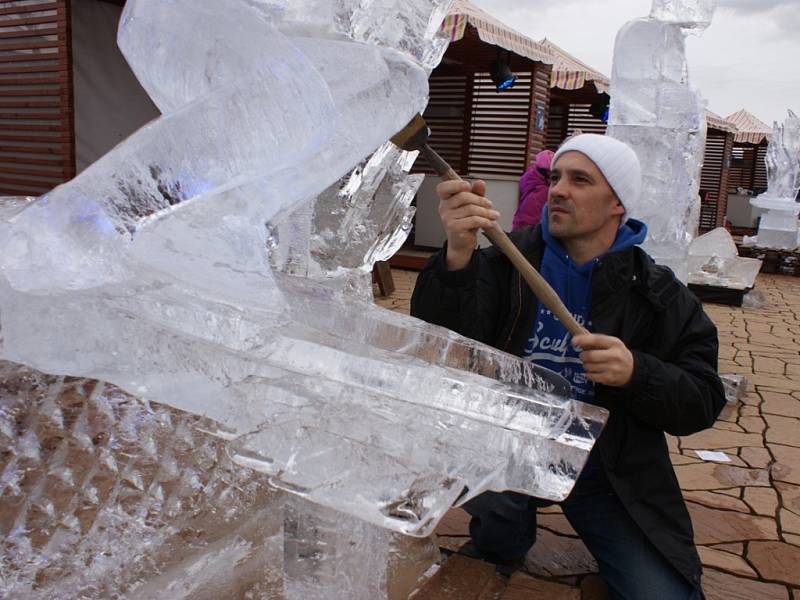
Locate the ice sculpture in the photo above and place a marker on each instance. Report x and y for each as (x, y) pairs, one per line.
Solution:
(213, 270)
(654, 110)
(715, 261)
(778, 226)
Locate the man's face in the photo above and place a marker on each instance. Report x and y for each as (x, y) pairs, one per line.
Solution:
(581, 203)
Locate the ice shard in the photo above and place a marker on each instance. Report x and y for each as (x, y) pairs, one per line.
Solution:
(777, 227)
(212, 271)
(656, 112)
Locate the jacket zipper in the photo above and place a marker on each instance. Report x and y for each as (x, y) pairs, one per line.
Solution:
(519, 312)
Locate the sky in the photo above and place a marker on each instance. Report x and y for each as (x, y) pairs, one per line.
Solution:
(748, 57)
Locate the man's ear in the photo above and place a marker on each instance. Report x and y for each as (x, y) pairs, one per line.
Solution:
(618, 208)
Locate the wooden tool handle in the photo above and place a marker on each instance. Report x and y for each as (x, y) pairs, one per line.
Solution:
(438, 164)
(544, 292)
(537, 283)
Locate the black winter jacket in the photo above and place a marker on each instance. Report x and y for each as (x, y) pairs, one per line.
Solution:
(675, 387)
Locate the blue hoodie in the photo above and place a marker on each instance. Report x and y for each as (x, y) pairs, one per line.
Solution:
(549, 344)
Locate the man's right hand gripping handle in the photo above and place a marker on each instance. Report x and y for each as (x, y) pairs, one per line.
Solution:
(464, 211)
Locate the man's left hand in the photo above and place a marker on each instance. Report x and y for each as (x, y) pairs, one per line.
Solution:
(606, 359)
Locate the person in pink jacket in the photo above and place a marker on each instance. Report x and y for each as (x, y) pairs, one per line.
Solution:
(533, 187)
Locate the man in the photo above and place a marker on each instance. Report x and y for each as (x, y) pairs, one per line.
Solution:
(650, 359)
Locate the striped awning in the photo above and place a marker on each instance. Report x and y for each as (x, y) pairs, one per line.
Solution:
(716, 122)
(492, 31)
(569, 73)
(751, 130)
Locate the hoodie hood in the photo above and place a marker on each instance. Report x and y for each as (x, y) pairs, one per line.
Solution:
(631, 233)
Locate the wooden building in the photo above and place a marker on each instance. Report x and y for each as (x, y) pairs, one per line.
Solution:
(748, 169)
(714, 178)
(481, 132)
(36, 118)
(67, 96)
(576, 90)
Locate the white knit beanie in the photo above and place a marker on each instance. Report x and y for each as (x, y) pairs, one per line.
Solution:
(617, 162)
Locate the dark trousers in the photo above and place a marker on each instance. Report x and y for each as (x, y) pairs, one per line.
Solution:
(503, 526)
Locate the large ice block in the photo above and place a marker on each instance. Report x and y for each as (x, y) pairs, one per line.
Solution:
(212, 271)
(654, 110)
(331, 360)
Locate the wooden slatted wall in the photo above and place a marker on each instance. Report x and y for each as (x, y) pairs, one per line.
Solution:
(749, 171)
(739, 175)
(566, 119)
(760, 170)
(722, 205)
(498, 134)
(36, 118)
(557, 124)
(447, 116)
(581, 118)
(540, 95)
(499, 129)
(712, 186)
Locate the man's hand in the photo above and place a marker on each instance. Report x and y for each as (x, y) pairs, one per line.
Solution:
(605, 358)
(464, 210)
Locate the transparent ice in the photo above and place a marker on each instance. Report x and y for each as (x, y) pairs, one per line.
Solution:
(715, 261)
(735, 387)
(108, 496)
(213, 271)
(688, 12)
(656, 112)
(778, 226)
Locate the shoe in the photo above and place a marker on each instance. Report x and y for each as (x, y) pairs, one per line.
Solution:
(505, 566)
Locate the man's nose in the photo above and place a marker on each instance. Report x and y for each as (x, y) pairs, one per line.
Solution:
(557, 189)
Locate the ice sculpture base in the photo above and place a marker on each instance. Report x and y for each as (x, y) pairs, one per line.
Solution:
(730, 273)
(328, 554)
(778, 229)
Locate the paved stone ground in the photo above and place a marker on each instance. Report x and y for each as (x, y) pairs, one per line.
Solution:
(746, 512)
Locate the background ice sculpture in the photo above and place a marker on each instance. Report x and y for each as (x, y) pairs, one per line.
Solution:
(654, 110)
(777, 227)
(714, 261)
(213, 270)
